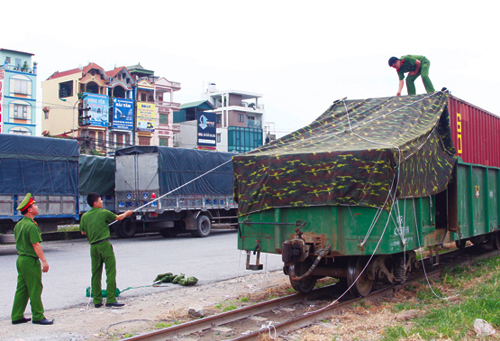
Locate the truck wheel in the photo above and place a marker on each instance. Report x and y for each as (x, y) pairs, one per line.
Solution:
(203, 226)
(127, 228)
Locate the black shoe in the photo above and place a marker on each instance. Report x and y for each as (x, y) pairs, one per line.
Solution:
(114, 305)
(23, 320)
(44, 321)
(98, 305)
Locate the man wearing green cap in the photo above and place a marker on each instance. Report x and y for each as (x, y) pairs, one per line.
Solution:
(415, 66)
(95, 225)
(29, 270)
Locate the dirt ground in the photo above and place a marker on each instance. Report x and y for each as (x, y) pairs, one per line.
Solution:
(156, 311)
(140, 314)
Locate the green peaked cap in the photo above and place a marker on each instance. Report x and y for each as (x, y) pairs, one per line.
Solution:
(28, 200)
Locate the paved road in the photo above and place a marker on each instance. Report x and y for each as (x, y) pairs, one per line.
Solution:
(139, 260)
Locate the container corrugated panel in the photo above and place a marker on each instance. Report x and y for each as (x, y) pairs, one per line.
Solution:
(475, 133)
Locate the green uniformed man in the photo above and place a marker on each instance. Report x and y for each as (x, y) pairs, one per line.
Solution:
(29, 270)
(95, 225)
(415, 66)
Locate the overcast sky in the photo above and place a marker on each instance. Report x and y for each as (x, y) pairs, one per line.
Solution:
(300, 55)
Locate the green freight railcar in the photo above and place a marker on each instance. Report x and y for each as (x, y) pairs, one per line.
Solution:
(399, 187)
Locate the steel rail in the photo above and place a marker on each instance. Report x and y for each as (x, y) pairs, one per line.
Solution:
(294, 323)
(230, 316)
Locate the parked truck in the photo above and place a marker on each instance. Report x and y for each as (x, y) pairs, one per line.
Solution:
(192, 200)
(96, 174)
(45, 167)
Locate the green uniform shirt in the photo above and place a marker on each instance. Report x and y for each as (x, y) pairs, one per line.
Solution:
(408, 64)
(27, 233)
(95, 224)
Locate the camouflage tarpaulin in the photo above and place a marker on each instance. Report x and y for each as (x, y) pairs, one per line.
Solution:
(350, 156)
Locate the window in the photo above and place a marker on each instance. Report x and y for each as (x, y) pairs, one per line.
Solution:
(7, 60)
(20, 111)
(66, 89)
(18, 62)
(219, 138)
(143, 141)
(219, 119)
(163, 119)
(143, 97)
(164, 142)
(20, 86)
(241, 118)
(101, 142)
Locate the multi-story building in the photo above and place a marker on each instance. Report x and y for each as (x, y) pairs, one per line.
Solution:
(165, 107)
(17, 92)
(81, 88)
(154, 107)
(237, 115)
(239, 118)
(121, 114)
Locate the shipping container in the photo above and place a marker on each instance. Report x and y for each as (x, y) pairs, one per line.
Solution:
(475, 133)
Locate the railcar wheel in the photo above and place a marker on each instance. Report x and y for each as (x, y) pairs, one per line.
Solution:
(127, 228)
(461, 244)
(203, 226)
(304, 285)
(360, 286)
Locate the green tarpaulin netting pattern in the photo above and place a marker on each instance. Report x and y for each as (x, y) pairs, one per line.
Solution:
(353, 154)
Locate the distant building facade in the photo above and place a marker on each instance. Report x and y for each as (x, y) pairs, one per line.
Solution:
(17, 92)
(238, 119)
(108, 110)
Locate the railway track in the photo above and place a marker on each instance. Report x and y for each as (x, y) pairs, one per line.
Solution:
(294, 310)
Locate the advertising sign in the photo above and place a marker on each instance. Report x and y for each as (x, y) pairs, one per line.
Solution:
(123, 113)
(207, 129)
(99, 109)
(2, 76)
(145, 117)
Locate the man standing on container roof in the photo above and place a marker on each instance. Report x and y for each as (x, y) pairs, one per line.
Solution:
(29, 270)
(95, 225)
(416, 66)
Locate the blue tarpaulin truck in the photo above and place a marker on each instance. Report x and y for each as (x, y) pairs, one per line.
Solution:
(45, 167)
(146, 173)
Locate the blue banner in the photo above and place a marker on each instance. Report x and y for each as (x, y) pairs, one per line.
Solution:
(207, 129)
(123, 113)
(99, 109)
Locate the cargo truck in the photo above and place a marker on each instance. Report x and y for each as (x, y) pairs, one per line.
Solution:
(45, 167)
(195, 187)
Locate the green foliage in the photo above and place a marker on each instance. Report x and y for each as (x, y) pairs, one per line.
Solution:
(244, 299)
(454, 319)
(229, 308)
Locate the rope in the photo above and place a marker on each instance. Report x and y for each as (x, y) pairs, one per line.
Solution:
(175, 189)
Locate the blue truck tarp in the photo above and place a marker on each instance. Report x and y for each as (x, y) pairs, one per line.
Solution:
(38, 165)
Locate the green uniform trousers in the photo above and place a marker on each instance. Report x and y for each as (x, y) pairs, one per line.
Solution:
(29, 286)
(424, 72)
(100, 254)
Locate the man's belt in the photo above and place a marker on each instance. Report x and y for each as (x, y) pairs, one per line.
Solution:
(99, 241)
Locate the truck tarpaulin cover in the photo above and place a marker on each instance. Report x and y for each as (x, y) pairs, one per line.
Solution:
(96, 174)
(178, 166)
(350, 156)
(38, 165)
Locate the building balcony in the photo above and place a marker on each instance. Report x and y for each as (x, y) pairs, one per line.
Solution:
(167, 106)
(173, 128)
(9, 67)
(254, 124)
(243, 107)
